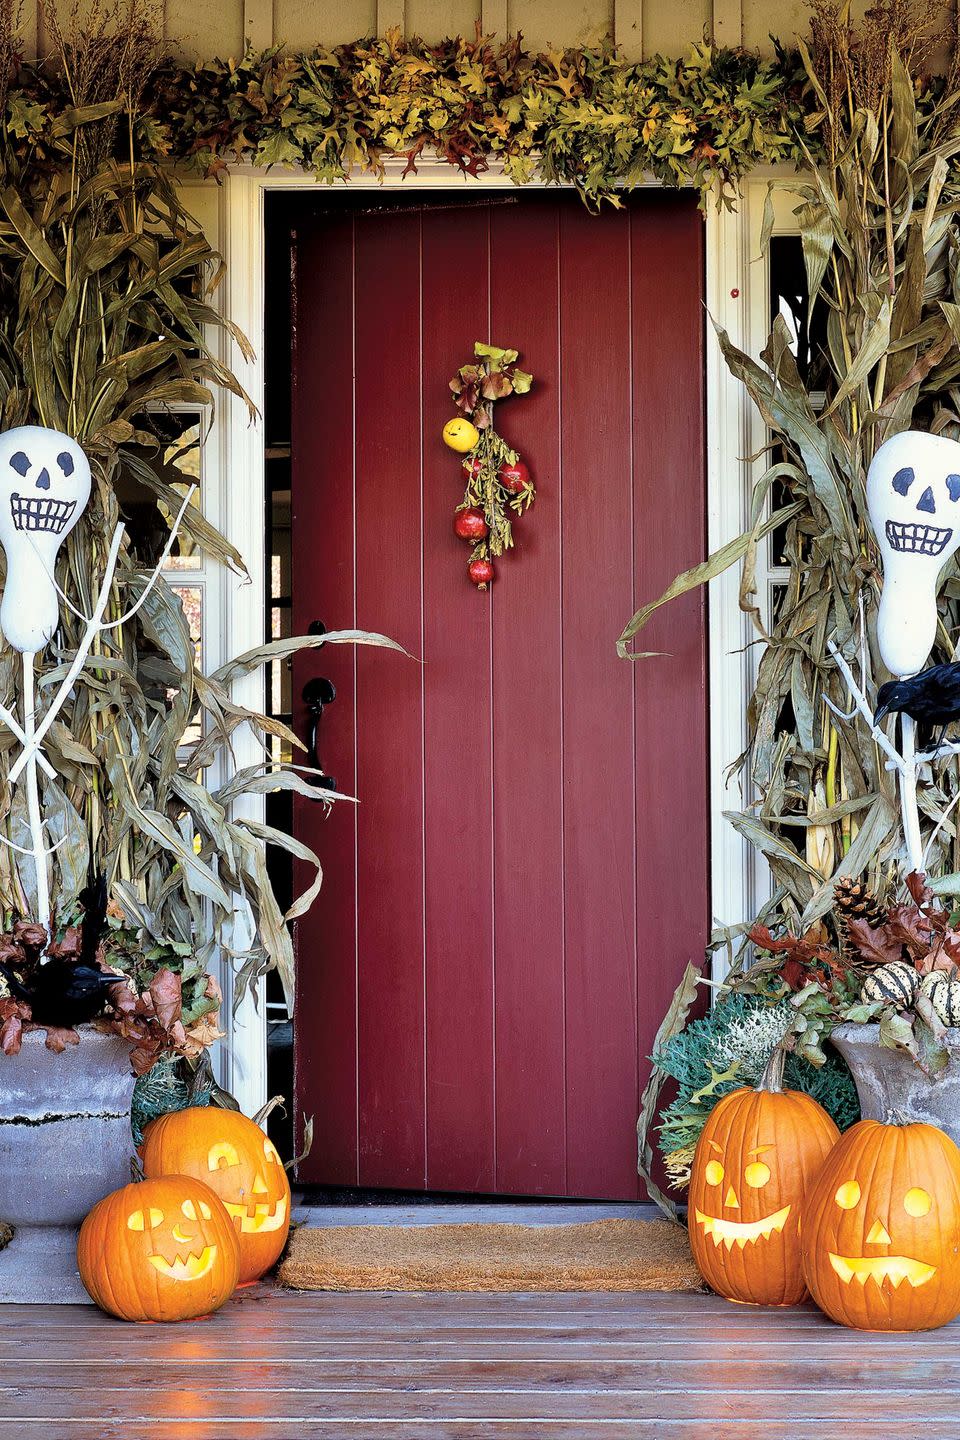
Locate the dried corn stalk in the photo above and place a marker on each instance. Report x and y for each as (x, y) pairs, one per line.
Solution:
(877, 208)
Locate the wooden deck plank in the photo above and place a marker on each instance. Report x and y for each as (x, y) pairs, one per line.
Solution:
(718, 1372)
(899, 1412)
(448, 1367)
(262, 1428)
(478, 1344)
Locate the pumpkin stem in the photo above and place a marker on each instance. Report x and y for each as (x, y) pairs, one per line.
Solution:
(896, 1117)
(772, 1077)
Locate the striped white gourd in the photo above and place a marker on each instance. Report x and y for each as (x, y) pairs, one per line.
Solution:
(944, 995)
(893, 984)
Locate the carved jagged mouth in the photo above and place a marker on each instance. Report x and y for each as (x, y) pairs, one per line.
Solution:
(738, 1232)
(30, 512)
(264, 1218)
(895, 1268)
(192, 1267)
(917, 539)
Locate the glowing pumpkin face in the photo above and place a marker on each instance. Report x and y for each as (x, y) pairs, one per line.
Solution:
(162, 1250)
(233, 1156)
(881, 1229)
(756, 1155)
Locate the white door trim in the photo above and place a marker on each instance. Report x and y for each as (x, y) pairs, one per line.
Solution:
(728, 427)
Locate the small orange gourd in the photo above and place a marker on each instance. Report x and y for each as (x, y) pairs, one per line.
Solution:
(881, 1229)
(161, 1250)
(756, 1156)
(232, 1155)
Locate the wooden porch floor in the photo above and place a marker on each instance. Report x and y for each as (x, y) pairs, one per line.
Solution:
(562, 1367)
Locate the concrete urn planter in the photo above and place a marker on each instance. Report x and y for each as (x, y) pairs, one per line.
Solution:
(889, 1081)
(64, 1143)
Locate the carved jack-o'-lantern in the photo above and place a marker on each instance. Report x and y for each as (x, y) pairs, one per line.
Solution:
(755, 1157)
(881, 1229)
(161, 1250)
(233, 1156)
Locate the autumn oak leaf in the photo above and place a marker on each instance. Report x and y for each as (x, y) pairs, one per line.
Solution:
(919, 889)
(910, 927)
(11, 1035)
(165, 992)
(876, 947)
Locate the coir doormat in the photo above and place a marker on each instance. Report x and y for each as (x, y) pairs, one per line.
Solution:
(599, 1255)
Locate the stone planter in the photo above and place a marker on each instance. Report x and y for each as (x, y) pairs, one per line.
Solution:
(64, 1143)
(888, 1080)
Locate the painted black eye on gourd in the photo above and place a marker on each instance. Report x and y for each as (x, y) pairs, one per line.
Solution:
(903, 480)
(953, 487)
(20, 463)
(65, 461)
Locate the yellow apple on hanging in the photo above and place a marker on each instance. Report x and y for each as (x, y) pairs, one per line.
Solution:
(460, 434)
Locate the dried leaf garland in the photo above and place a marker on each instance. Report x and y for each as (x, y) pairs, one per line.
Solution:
(581, 117)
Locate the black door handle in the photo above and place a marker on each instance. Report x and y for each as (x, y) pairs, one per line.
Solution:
(317, 693)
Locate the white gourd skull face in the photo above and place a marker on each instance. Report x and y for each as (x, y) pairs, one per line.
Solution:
(44, 486)
(913, 495)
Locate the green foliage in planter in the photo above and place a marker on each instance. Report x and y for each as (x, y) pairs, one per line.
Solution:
(727, 1049)
(879, 216)
(584, 117)
(165, 1087)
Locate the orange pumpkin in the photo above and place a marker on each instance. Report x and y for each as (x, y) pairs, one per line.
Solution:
(881, 1229)
(756, 1155)
(161, 1250)
(233, 1156)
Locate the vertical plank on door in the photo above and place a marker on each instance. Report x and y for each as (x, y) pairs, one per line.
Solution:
(323, 509)
(598, 759)
(390, 817)
(670, 690)
(456, 737)
(528, 773)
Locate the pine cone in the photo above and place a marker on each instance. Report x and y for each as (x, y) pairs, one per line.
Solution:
(853, 900)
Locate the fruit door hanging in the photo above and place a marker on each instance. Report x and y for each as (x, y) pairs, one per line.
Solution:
(497, 479)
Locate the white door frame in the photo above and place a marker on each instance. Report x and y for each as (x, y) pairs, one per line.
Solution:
(736, 295)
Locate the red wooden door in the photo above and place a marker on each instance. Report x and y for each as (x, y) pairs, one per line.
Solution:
(507, 911)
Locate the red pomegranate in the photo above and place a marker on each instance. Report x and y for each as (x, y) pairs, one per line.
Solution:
(515, 477)
(473, 467)
(470, 524)
(481, 573)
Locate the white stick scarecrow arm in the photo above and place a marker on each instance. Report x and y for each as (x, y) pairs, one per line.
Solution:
(94, 626)
(35, 737)
(926, 757)
(13, 724)
(905, 764)
(861, 703)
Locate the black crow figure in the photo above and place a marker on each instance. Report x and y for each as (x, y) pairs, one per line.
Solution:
(62, 992)
(932, 698)
(66, 992)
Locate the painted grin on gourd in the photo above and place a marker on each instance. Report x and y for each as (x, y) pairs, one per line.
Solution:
(739, 1232)
(917, 539)
(895, 1268)
(34, 513)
